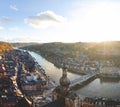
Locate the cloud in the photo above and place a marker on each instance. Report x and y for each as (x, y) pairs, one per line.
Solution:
(14, 28)
(20, 38)
(104, 20)
(87, 21)
(13, 7)
(5, 19)
(44, 19)
(92, 21)
(24, 38)
(1, 28)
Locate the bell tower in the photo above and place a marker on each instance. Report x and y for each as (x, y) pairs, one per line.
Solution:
(63, 91)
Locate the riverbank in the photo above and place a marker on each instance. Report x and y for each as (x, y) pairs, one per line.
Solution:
(97, 97)
(48, 67)
(59, 63)
(77, 70)
(81, 58)
(94, 87)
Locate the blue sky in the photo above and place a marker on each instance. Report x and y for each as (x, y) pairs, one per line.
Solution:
(59, 20)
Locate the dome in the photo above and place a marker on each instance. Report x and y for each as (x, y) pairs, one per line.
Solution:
(64, 81)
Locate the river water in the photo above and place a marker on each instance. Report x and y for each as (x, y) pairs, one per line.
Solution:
(96, 88)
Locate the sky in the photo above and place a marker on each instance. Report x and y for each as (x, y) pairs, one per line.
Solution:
(59, 20)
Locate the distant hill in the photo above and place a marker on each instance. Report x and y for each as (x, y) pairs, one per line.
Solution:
(5, 46)
(18, 45)
(94, 51)
(103, 48)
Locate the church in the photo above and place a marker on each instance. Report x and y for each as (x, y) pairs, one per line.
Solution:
(63, 91)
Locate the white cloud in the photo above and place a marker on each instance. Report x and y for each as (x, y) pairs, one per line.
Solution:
(13, 7)
(3, 38)
(87, 20)
(5, 19)
(44, 19)
(20, 38)
(14, 28)
(23, 38)
(101, 21)
(90, 21)
(1, 28)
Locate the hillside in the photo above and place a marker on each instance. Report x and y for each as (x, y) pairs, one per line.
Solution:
(80, 56)
(5, 46)
(18, 45)
(93, 50)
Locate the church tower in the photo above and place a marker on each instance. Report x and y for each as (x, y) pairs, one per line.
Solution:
(63, 91)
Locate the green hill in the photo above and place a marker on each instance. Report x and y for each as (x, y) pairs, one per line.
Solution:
(94, 51)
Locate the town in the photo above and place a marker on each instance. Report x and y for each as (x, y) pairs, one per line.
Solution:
(24, 83)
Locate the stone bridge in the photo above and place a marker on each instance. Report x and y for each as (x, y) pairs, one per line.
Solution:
(82, 79)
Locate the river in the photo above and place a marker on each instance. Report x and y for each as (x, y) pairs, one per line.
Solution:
(96, 88)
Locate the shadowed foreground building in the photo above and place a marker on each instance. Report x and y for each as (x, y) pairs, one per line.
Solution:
(63, 92)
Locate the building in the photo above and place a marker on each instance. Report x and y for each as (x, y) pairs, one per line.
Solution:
(63, 92)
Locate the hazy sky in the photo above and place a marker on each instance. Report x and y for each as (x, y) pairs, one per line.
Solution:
(59, 20)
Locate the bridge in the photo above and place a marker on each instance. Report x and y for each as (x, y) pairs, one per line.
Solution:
(82, 79)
